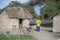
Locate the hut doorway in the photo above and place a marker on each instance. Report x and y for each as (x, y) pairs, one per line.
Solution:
(20, 23)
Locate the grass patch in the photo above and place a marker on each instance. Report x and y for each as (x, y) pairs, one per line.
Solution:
(16, 37)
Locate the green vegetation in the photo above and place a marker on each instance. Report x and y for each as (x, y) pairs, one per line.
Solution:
(25, 5)
(50, 7)
(47, 25)
(0, 11)
(16, 37)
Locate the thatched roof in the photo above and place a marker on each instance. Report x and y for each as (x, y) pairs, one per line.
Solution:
(18, 12)
(56, 13)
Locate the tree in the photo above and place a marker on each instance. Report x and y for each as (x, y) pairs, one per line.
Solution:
(28, 7)
(50, 7)
(1, 11)
(17, 4)
(14, 4)
(35, 2)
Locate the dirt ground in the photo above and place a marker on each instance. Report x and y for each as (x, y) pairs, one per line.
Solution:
(45, 34)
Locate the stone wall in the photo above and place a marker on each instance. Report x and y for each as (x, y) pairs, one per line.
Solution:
(56, 23)
(26, 23)
(14, 26)
(4, 23)
(7, 24)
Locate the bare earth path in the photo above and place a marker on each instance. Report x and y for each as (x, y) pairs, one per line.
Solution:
(44, 34)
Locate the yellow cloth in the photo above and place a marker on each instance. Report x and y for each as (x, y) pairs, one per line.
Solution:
(38, 22)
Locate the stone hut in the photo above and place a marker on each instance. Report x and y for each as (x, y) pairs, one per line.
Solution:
(12, 18)
(56, 21)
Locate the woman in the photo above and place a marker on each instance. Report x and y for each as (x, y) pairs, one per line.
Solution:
(38, 24)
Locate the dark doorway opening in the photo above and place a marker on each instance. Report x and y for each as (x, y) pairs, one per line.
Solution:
(20, 23)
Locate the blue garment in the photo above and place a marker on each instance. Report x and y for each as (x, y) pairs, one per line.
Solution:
(37, 28)
(8, 32)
